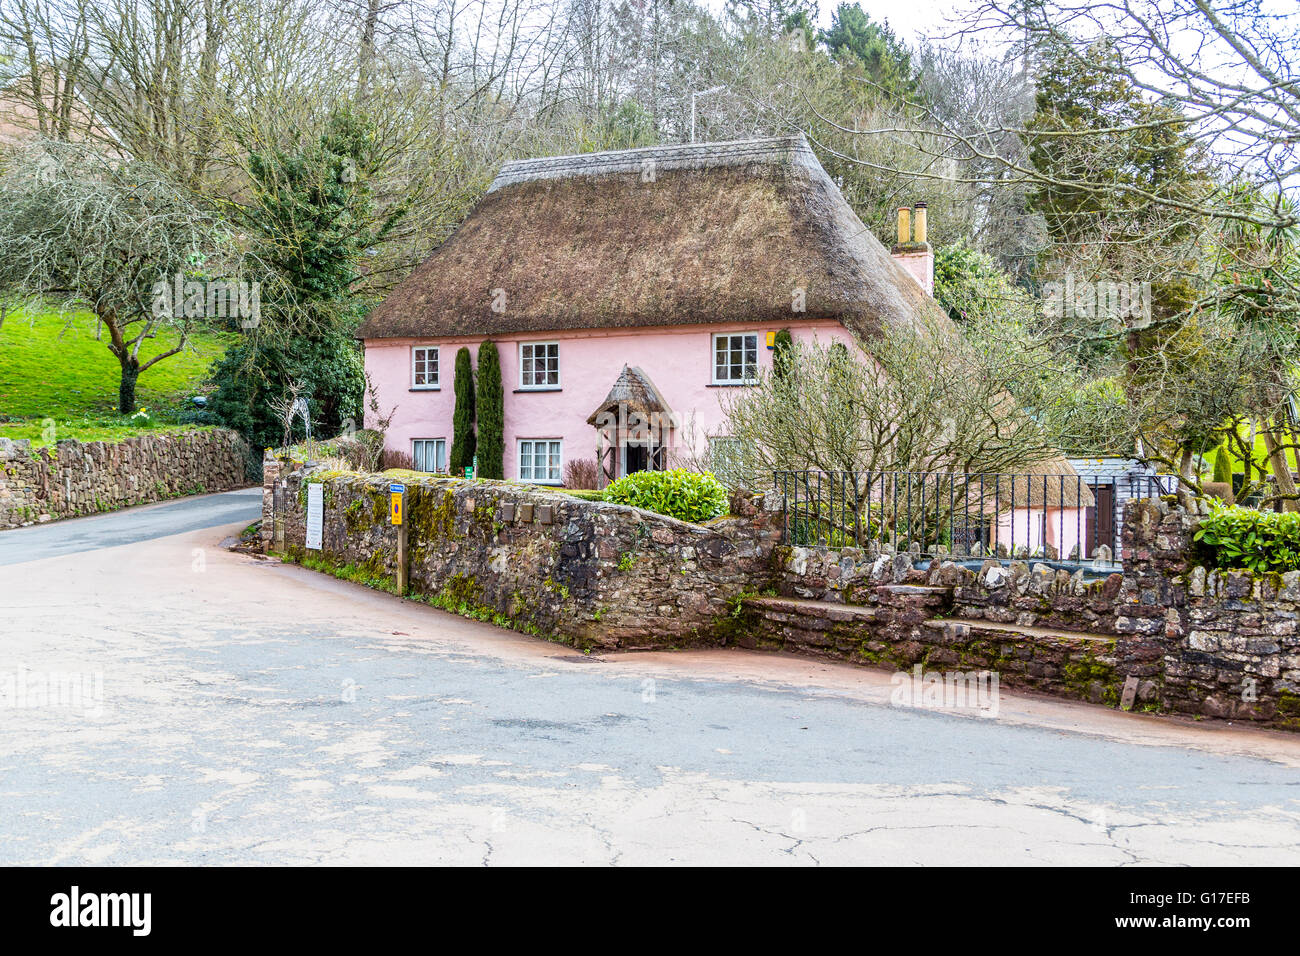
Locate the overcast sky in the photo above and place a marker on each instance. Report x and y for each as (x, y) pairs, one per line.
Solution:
(911, 19)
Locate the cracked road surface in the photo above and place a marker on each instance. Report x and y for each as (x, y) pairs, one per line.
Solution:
(257, 713)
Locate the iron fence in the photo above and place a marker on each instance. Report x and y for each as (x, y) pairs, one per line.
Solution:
(931, 514)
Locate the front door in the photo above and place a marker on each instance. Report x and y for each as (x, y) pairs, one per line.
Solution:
(637, 458)
(1099, 521)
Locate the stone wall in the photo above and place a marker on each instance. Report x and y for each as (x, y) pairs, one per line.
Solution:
(1229, 639)
(1036, 627)
(73, 478)
(538, 560)
(1184, 639)
(1164, 635)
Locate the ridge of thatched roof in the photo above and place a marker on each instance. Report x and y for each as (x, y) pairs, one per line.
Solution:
(1051, 484)
(661, 236)
(633, 390)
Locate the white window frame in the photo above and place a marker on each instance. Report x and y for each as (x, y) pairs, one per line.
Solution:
(548, 387)
(713, 358)
(437, 351)
(445, 450)
(519, 458)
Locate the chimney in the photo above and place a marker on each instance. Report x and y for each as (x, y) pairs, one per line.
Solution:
(912, 251)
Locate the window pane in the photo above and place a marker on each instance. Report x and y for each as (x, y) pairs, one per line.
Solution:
(440, 455)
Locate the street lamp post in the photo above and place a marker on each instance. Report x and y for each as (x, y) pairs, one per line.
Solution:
(715, 89)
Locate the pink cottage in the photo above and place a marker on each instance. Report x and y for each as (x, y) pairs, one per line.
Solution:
(634, 287)
(624, 285)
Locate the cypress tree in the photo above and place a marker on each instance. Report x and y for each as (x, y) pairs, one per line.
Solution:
(782, 346)
(1223, 465)
(462, 419)
(491, 413)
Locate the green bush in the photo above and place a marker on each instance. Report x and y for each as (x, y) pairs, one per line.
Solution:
(1232, 537)
(682, 494)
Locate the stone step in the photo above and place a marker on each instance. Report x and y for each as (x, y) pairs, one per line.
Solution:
(999, 631)
(809, 608)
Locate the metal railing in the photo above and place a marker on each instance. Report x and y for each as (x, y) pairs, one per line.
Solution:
(1066, 518)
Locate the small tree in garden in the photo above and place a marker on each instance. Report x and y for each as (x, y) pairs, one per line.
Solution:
(1223, 464)
(491, 413)
(90, 231)
(582, 473)
(905, 402)
(462, 419)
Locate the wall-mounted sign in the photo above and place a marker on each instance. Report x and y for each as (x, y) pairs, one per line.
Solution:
(315, 515)
(395, 492)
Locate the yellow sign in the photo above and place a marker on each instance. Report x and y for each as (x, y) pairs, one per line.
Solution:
(396, 499)
(771, 340)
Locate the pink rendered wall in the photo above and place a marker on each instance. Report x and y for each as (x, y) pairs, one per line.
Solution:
(921, 267)
(677, 359)
(1065, 527)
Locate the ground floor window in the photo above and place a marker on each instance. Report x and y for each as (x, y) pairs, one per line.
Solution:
(540, 460)
(430, 454)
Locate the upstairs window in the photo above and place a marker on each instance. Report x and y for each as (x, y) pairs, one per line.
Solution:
(539, 365)
(735, 358)
(424, 367)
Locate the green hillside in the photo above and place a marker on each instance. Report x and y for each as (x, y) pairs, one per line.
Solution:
(52, 367)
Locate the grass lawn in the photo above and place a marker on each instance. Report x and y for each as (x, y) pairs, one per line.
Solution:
(51, 366)
(1261, 453)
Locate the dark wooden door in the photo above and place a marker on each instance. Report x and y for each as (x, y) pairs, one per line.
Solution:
(1099, 521)
(637, 458)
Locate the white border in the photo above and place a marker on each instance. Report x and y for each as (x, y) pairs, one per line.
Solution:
(713, 360)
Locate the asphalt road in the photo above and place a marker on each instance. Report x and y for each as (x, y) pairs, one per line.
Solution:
(129, 526)
(236, 710)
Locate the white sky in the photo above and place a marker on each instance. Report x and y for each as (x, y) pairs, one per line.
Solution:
(910, 19)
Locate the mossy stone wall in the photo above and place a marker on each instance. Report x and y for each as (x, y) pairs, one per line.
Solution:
(588, 573)
(72, 478)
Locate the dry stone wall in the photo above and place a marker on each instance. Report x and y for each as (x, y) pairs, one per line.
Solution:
(1163, 635)
(593, 574)
(1166, 634)
(73, 478)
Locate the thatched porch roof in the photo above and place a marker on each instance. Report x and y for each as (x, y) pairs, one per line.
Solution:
(634, 391)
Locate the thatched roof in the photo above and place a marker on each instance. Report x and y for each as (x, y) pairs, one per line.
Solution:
(634, 391)
(669, 235)
(1053, 483)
